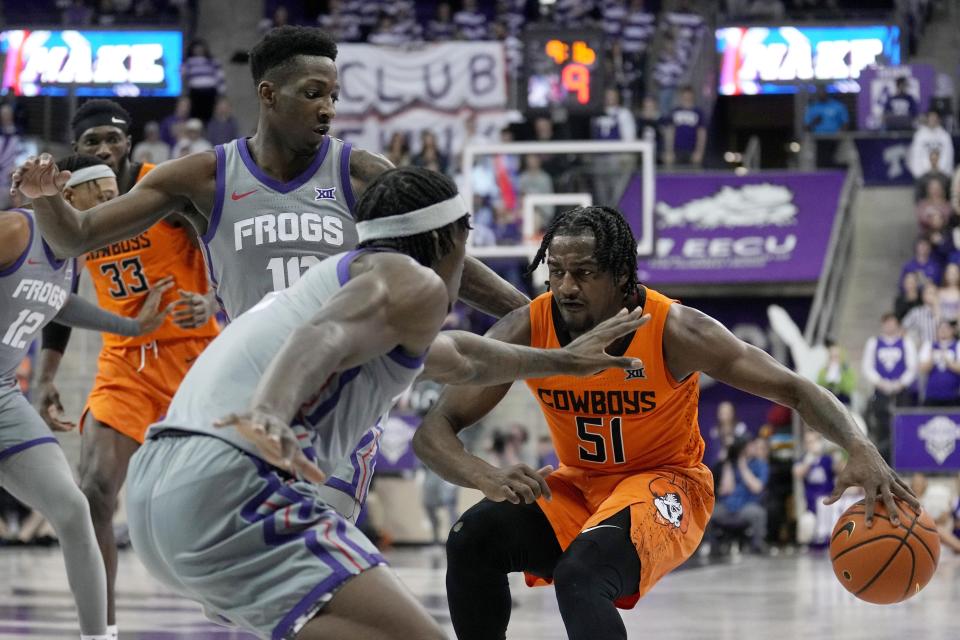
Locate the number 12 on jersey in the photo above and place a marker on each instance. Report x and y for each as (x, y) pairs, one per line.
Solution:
(23, 327)
(286, 272)
(593, 439)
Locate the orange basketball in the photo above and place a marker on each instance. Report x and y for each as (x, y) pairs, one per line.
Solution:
(884, 564)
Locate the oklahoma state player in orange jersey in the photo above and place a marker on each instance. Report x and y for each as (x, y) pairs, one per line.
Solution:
(136, 377)
(631, 498)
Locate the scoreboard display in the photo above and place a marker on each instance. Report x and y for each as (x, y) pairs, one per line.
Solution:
(91, 62)
(563, 68)
(781, 59)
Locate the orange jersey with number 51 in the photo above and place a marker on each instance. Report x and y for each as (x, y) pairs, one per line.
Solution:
(619, 420)
(122, 273)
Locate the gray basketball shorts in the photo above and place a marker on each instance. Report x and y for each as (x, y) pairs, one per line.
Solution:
(255, 548)
(21, 427)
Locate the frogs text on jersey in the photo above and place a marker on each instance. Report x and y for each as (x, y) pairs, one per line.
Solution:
(271, 228)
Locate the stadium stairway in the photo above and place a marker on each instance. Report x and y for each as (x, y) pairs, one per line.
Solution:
(941, 39)
(884, 229)
(229, 30)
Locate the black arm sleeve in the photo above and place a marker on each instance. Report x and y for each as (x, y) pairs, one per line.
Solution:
(56, 336)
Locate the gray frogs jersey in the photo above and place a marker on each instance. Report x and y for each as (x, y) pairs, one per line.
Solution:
(264, 234)
(334, 425)
(32, 290)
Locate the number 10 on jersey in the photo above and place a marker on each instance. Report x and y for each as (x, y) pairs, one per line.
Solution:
(287, 271)
(594, 434)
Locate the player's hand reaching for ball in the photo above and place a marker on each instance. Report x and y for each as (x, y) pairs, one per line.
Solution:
(39, 176)
(867, 469)
(151, 316)
(193, 310)
(589, 350)
(517, 484)
(276, 442)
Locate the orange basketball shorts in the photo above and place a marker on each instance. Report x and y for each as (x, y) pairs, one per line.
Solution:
(134, 385)
(669, 510)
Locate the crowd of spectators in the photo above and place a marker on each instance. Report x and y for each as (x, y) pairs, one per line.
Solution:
(629, 26)
(97, 13)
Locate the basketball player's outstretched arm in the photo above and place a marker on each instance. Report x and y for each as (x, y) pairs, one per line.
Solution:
(172, 186)
(693, 341)
(437, 445)
(464, 358)
(480, 287)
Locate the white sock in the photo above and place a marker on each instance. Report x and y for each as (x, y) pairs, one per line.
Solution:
(112, 632)
(103, 637)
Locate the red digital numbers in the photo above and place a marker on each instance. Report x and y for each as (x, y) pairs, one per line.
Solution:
(576, 61)
(576, 79)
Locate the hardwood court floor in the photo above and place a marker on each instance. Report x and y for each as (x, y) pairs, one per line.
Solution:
(779, 598)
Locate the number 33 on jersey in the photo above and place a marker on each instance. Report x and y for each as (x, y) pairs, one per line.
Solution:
(123, 272)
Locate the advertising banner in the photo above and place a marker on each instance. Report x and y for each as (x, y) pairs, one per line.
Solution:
(884, 159)
(879, 83)
(383, 81)
(92, 62)
(925, 440)
(722, 228)
(437, 87)
(778, 59)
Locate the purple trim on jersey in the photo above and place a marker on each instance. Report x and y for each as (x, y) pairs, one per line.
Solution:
(276, 185)
(23, 256)
(17, 448)
(343, 267)
(308, 602)
(343, 485)
(344, 538)
(220, 192)
(327, 405)
(272, 537)
(345, 175)
(351, 489)
(410, 362)
(208, 260)
(51, 256)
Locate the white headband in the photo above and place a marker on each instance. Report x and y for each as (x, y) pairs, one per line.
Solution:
(410, 224)
(87, 174)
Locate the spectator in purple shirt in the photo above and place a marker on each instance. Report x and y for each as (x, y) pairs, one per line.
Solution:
(924, 264)
(471, 23)
(685, 132)
(816, 471)
(340, 21)
(939, 361)
(204, 80)
(900, 109)
(441, 27)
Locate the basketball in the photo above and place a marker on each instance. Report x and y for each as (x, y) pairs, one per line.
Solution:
(884, 564)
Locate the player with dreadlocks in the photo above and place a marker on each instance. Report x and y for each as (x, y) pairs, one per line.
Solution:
(631, 497)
